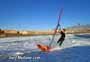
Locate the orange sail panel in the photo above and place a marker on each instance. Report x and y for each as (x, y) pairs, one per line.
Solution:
(44, 48)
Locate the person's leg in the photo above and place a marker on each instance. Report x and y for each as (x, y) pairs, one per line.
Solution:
(60, 43)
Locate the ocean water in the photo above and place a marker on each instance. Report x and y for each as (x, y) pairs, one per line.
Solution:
(75, 48)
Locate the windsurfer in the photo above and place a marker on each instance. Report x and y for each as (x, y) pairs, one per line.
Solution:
(62, 38)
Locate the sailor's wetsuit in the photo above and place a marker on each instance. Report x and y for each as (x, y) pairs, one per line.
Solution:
(61, 39)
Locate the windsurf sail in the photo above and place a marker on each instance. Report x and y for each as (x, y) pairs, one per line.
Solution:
(46, 48)
(57, 26)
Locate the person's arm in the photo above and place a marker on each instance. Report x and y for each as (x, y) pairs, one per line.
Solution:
(56, 31)
(60, 32)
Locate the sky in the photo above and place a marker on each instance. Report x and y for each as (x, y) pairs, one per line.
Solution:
(42, 14)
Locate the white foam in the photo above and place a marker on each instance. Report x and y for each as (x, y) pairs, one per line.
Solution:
(19, 53)
(55, 48)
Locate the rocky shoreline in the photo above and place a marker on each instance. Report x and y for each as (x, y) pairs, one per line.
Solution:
(78, 29)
